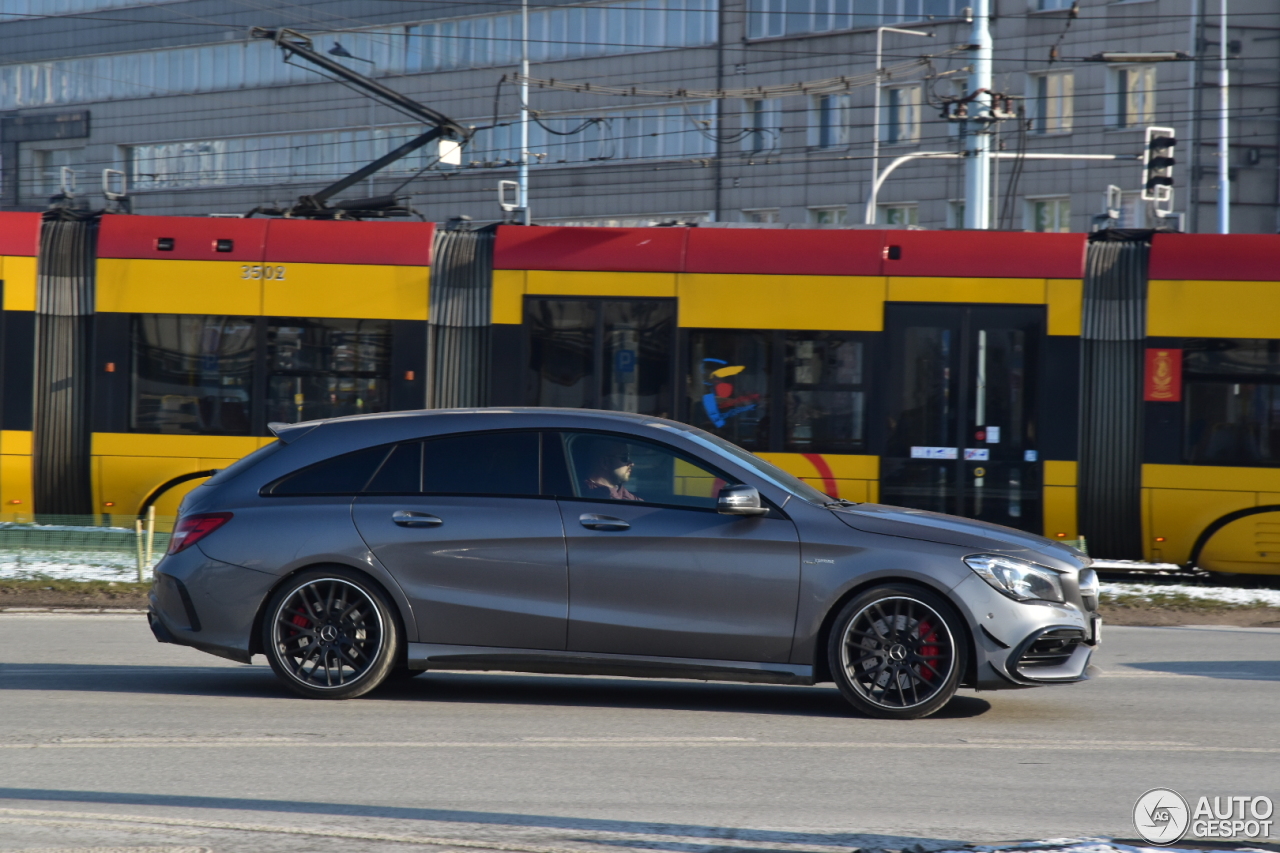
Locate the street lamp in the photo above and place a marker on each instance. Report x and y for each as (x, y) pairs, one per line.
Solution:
(869, 215)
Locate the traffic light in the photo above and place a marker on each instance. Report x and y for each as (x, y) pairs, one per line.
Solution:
(1157, 164)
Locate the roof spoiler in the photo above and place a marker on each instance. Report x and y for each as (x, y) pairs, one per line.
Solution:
(289, 433)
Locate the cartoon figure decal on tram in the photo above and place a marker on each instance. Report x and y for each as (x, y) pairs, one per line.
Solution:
(720, 402)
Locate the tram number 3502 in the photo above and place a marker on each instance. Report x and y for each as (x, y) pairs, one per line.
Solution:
(262, 271)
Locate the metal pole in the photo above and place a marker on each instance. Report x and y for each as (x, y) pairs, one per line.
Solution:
(522, 176)
(137, 541)
(869, 215)
(1224, 142)
(151, 534)
(1193, 144)
(977, 172)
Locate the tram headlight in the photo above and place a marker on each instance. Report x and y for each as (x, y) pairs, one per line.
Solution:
(1018, 579)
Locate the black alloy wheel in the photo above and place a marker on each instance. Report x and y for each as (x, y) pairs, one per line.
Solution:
(897, 652)
(330, 634)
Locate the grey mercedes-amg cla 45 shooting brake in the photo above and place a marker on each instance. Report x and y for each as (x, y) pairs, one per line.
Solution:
(359, 549)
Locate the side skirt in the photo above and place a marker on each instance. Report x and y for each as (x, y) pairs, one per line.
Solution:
(486, 659)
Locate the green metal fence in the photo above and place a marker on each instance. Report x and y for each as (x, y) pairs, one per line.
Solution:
(82, 547)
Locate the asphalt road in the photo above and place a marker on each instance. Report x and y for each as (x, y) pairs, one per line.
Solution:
(108, 738)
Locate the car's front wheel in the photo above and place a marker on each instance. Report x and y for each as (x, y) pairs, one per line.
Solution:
(330, 634)
(897, 652)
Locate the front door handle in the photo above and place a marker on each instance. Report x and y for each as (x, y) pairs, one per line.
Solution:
(405, 518)
(592, 521)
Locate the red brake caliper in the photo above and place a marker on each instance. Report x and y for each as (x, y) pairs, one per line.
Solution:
(300, 620)
(927, 635)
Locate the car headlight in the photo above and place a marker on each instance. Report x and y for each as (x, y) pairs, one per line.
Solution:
(1018, 579)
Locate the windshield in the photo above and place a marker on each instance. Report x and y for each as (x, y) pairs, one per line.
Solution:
(766, 470)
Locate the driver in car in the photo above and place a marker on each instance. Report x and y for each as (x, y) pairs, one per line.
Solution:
(611, 468)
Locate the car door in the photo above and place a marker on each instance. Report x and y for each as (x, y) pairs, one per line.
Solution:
(461, 523)
(655, 570)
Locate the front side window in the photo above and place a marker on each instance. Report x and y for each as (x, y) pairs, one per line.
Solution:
(1231, 397)
(825, 394)
(192, 374)
(609, 467)
(728, 385)
(327, 368)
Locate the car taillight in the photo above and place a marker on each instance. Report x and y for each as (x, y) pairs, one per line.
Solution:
(192, 528)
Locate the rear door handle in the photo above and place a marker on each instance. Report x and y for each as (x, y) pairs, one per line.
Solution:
(592, 521)
(405, 518)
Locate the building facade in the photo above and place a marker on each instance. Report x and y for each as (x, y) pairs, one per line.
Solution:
(646, 110)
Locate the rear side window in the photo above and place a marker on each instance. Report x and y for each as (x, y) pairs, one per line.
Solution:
(240, 466)
(343, 475)
(502, 463)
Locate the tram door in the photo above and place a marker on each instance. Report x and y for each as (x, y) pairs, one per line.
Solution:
(961, 411)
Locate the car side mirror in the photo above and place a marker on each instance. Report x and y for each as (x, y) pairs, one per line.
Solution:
(740, 500)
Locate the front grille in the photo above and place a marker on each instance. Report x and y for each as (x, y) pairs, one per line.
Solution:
(1052, 648)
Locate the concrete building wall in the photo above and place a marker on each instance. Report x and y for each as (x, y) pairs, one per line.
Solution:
(794, 176)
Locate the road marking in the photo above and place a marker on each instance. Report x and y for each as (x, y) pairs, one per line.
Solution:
(269, 743)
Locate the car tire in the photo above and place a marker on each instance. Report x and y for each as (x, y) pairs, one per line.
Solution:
(897, 652)
(330, 633)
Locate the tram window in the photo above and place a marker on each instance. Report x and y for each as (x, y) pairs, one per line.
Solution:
(192, 374)
(825, 396)
(601, 354)
(1232, 402)
(562, 352)
(327, 368)
(728, 385)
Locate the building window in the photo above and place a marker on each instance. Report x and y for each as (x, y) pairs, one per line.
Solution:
(900, 215)
(829, 121)
(192, 374)
(825, 393)
(1050, 5)
(1051, 100)
(573, 32)
(955, 214)
(773, 18)
(761, 125)
(47, 166)
(900, 122)
(829, 215)
(767, 215)
(1133, 96)
(728, 390)
(1049, 214)
(1231, 393)
(327, 368)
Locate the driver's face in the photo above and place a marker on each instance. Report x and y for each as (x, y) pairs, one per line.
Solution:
(620, 465)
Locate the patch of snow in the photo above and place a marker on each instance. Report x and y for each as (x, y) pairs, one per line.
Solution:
(1224, 594)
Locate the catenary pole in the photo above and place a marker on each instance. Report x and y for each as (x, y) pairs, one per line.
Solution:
(1224, 140)
(977, 173)
(522, 176)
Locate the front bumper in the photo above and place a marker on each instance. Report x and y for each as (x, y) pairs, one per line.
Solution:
(207, 604)
(1025, 644)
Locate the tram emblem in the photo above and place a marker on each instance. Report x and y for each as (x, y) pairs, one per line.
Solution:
(1163, 382)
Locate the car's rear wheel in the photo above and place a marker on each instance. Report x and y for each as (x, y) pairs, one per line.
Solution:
(897, 652)
(330, 634)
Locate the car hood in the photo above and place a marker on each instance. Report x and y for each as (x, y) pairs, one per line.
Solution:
(961, 532)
